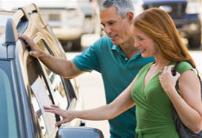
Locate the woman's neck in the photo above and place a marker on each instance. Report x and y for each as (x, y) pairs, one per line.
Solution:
(160, 63)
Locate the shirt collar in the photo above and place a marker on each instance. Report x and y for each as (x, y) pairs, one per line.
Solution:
(118, 49)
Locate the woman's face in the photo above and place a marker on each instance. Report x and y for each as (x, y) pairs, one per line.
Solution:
(145, 44)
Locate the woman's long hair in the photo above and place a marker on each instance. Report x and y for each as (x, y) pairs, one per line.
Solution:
(159, 26)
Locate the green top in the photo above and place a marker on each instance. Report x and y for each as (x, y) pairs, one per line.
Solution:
(153, 107)
(117, 73)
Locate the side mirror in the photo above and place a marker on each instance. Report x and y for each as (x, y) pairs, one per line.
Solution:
(78, 132)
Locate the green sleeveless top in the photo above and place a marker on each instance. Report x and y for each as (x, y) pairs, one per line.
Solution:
(153, 107)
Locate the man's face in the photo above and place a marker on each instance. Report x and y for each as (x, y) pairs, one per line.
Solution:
(116, 27)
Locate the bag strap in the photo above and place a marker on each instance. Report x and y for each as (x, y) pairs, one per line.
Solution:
(174, 71)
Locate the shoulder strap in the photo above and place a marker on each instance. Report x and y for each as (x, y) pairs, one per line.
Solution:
(174, 71)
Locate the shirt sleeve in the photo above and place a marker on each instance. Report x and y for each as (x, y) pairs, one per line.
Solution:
(184, 66)
(88, 60)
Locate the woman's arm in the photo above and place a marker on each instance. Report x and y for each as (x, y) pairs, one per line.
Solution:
(122, 103)
(188, 103)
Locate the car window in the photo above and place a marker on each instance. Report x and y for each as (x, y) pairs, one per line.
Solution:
(8, 124)
(40, 127)
(56, 83)
(40, 96)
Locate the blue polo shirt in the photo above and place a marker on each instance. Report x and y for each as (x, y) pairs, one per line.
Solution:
(117, 72)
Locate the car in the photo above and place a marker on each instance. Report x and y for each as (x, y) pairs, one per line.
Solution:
(27, 85)
(3, 16)
(64, 17)
(91, 11)
(66, 20)
(188, 24)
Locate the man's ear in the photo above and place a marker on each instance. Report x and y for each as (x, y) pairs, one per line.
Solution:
(130, 16)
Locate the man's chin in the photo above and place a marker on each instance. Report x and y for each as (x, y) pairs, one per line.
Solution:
(115, 42)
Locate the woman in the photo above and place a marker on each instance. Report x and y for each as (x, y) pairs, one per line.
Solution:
(153, 90)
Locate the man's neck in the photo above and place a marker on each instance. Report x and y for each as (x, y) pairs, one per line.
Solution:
(128, 49)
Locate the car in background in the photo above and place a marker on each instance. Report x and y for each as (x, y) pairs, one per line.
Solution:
(64, 17)
(27, 85)
(188, 24)
(90, 9)
(3, 16)
(66, 20)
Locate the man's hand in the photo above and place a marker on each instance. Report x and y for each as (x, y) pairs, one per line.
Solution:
(35, 50)
(66, 115)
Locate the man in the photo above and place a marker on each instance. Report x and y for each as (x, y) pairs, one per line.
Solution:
(114, 56)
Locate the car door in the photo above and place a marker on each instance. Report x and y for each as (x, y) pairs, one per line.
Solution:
(40, 95)
(45, 88)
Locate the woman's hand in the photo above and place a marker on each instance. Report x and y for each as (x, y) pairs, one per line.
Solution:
(66, 115)
(167, 80)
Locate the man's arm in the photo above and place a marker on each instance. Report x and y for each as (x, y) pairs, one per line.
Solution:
(61, 66)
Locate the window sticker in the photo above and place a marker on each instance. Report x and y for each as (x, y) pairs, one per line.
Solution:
(41, 92)
(42, 95)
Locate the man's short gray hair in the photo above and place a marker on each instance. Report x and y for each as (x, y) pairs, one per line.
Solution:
(122, 6)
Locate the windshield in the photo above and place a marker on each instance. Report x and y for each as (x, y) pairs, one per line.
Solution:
(8, 126)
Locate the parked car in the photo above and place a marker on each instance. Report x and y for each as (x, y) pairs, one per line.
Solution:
(27, 85)
(66, 20)
(3, 16)
(188, 24)
(91, 12)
